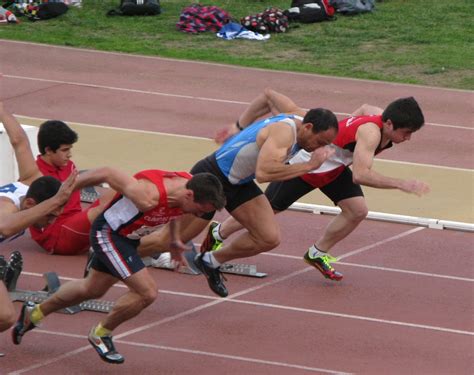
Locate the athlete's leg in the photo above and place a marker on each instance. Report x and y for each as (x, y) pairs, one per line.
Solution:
(7, 310)
(142, 292)
(263, 233)
(94, 286)
(353, 212)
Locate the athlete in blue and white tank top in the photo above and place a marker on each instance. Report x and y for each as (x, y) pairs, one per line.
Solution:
(15, 191)
(237, 158)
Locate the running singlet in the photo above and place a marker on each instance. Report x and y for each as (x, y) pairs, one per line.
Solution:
(344, 145)
(237, 158)
(124, 217)
(15, 192)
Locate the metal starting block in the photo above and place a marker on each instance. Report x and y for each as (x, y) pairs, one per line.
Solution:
(52, 284)
(233, 268)
(89, 195)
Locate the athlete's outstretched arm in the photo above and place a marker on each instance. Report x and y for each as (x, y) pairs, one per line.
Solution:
(368, 138)
(367, 110)
(268, 102)
(27, 168)
(136, 190)
(13, 221)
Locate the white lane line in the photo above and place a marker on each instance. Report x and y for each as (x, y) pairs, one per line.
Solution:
(165, 320)
(235, 67)
(196, 352)
(378, 243)
(158, 93)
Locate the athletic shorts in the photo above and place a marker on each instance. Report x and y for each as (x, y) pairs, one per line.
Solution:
(236, 195)
(282, 194)
(66, 236)
(113, 254)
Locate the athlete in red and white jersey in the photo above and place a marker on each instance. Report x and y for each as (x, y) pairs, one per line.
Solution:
(344, 146)
(369, 131)
(124, 217)
(143, 203)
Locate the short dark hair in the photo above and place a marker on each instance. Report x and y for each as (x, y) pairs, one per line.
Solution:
(404, 113)
(207, 189)
(53, 134)
(322, 119)
(43, 188)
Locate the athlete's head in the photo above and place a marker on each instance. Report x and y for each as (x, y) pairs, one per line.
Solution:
(207, 194)
(55, 140)
(402, 118)
(41, 189)
(319, 129)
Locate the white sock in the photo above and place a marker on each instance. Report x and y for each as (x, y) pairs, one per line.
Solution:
(216, 233)
(315, 252)
(209, 258)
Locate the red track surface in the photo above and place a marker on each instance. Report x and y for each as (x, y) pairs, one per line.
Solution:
(404, 306)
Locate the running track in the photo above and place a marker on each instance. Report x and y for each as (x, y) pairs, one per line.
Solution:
(405, 305)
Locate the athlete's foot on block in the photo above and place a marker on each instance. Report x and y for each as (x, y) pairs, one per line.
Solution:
(23, 324)
(210, 243)
(104, 346)
(213, 275)
(323, 265)
(13, 270)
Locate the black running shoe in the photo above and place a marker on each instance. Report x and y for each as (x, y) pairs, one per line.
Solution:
(23, 324)
(104, 346)
(213, 275)
(13, 271)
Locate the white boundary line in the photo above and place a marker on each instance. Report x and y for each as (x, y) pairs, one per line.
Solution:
(124, 54)
(157, 93)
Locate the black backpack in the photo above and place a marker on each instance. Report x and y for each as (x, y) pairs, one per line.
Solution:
(309, 11)
(136, 8)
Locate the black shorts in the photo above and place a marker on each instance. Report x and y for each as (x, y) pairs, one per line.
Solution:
(236, 195)
(113, 253)
(282, 194)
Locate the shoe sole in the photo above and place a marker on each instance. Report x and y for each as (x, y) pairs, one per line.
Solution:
(321, 270)
(201, 268)
(105, 359)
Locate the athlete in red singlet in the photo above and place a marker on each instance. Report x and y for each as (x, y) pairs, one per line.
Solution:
(143, 204)
(369, 131)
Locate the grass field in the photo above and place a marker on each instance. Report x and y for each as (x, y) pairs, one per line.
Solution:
(426, 42)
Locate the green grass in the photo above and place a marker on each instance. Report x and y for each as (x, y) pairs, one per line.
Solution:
(426, 42)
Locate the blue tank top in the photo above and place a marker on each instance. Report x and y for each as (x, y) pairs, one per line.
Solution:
(237, 158)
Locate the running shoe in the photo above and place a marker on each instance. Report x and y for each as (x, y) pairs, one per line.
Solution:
(104, 346)
(3, 267)
(23, 324)
(213, 275)
(210, 243)
(13, 271)
(323, 265)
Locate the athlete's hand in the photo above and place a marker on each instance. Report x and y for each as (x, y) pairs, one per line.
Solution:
(415, 187)
(224, 134)
(67, 187)
(177, 247)
(320, 155)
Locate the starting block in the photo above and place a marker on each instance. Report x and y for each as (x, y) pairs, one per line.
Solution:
(232, 268)
(52, 284)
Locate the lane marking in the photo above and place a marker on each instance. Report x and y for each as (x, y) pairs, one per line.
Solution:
(180, 96)
(196, 352)
(235, 67)
(378, 243)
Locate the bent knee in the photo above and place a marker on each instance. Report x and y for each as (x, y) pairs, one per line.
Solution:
(149, 296)
(269, 241)
(7, 320)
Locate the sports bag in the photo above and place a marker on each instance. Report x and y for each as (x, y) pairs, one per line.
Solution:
(349, 7)
(136, 8)
(309, 11)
